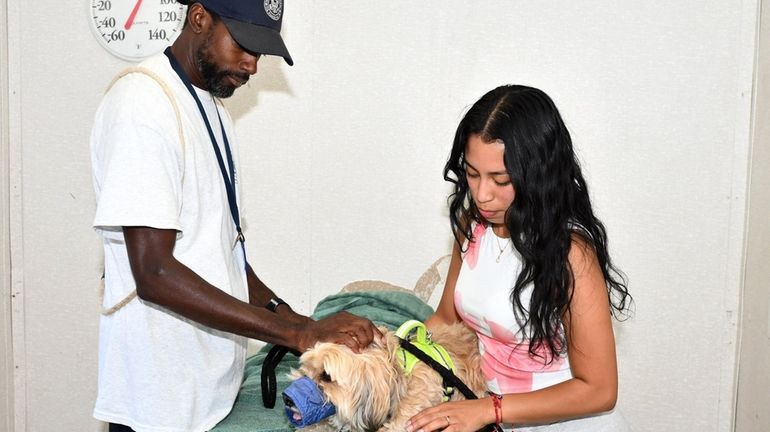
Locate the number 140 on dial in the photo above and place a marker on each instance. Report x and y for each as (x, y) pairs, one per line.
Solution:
(136, 29)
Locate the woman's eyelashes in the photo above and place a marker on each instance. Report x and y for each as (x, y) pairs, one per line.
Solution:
(498, 180)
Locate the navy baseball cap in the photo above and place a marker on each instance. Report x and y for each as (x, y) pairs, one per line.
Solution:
(254, 24)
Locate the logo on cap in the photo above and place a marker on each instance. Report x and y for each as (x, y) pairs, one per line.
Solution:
(273, 8)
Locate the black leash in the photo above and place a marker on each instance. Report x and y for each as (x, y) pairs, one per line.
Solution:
(449, 378)
(269, 388)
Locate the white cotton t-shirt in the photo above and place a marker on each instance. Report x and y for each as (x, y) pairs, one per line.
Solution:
(159, 371)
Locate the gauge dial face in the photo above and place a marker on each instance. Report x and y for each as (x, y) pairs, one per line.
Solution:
(136, 29)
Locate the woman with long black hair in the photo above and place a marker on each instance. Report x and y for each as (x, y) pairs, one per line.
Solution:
(530, 273)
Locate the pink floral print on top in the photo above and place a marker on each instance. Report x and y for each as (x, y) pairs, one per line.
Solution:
(472, 254)
(482, 301)
(505, 359)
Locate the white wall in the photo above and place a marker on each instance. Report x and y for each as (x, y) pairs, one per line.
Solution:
(341, 163)
(754, 373)
(6, 354)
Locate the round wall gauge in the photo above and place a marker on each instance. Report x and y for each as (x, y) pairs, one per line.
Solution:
(136, 29)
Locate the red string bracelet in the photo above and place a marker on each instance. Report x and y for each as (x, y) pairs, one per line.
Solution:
(497, 401)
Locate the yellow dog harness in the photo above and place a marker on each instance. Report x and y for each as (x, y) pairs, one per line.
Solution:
(418, 335)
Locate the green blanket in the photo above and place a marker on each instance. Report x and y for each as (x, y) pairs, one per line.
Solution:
(387, 308)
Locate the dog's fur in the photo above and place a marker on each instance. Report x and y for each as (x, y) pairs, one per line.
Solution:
(371, 391)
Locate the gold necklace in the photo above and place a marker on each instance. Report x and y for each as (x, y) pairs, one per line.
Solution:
(501, 248)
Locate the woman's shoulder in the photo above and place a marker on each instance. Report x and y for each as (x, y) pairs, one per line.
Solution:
(582, 250)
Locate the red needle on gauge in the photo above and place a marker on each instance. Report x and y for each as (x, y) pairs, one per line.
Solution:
(130, 20)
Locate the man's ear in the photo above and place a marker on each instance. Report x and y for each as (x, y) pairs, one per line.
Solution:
(198, 19)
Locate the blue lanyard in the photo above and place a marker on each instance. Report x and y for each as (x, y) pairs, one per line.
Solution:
(229, 181)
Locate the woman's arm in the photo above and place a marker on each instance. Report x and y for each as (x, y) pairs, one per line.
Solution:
(591, 348)
(445, 312)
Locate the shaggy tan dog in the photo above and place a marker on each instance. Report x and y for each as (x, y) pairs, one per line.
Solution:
(371, 391)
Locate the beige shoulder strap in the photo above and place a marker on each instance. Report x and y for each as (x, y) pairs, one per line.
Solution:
(180, 130)
(166, 89)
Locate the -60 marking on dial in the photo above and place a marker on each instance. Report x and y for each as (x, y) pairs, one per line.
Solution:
(136, 29)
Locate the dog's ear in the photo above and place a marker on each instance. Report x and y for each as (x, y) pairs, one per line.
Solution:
(389, 344)
(392, 347)
(397, 384)
(382, 385)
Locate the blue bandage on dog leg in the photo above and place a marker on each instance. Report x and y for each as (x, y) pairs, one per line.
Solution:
(305, 404)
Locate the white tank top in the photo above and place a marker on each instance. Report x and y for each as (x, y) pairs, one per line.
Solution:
(482, 299)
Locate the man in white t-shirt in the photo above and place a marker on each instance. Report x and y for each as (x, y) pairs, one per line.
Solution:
(165, 175)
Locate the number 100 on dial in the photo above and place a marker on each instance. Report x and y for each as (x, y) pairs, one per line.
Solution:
(136, 29)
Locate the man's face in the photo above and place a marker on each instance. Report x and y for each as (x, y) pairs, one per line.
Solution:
(222, 63)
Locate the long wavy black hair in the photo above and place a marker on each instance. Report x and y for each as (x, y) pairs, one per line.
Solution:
(550, 208)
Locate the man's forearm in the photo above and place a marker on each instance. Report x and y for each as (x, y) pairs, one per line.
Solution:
(262, 296)
(163, 280)
(259, 293)
(181, 290)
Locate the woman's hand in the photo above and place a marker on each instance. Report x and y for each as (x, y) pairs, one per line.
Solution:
(457, 416)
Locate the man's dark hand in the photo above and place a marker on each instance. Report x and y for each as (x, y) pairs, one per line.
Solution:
(342, 328)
